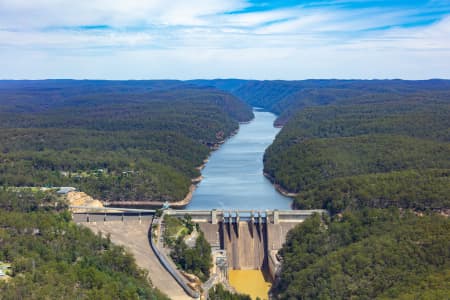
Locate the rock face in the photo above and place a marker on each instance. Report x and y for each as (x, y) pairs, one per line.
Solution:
(82, 199)
(194, 282)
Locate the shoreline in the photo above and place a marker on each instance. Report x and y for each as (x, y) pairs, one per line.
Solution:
(187, 199)
(155, 204)
(181, 204)
(280, 189)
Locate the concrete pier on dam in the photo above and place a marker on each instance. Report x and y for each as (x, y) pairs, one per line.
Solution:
(250, 239)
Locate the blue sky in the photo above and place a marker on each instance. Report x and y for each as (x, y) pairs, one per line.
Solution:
(139, 39)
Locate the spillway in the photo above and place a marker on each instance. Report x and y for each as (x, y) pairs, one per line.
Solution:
(245, 243)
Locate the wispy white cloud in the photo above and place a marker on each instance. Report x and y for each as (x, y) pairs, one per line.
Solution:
(312, 38)
(433, 37)
(34, 14)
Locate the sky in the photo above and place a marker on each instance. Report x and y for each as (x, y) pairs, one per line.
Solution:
(250, 39)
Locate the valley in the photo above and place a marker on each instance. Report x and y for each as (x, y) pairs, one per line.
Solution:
(373, 154)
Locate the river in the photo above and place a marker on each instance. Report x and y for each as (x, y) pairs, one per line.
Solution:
(233, 176)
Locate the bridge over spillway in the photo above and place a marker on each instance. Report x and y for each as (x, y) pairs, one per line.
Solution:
(250, 239)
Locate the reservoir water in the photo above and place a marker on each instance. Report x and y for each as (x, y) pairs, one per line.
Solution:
(233, 176)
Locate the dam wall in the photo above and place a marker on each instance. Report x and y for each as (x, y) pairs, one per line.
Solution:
(276, 236)
(251, 239)
(245, 244)
(240, 240)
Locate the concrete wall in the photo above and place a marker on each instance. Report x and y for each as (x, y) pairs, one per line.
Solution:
(211, 232)
(251, 239)
(276, 237)
(245, 243)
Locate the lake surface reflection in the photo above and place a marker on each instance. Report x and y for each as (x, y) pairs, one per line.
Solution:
(233, 177)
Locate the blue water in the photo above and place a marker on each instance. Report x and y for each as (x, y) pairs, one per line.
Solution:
(233, 176)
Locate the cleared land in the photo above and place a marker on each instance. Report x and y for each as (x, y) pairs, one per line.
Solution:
(133, 236)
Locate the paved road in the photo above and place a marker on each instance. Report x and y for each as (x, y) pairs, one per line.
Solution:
(133, 235)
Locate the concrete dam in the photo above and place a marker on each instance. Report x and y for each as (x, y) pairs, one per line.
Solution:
(251, 239)
(240, 240)
(245, 244)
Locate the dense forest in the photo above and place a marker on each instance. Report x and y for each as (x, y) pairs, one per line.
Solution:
(367, 254)
(376, 151)
(134, 140)
(376, 154)
(114, 140)
(421, 190)
(286, 98)
(129, 140)
(51, 256)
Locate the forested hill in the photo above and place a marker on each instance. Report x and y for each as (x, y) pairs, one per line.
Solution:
(377, 156)
(285, 98)
(116, 140)
(327, 153)
(356, 143)
(50, 257)
(367, 254)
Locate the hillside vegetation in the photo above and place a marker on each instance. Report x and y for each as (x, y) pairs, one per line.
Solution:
(377, 156)
(134, 140)
(50, 256)
(368, 153)
(195, 259)
(114, 140)
(286, 98)
(367, 254)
